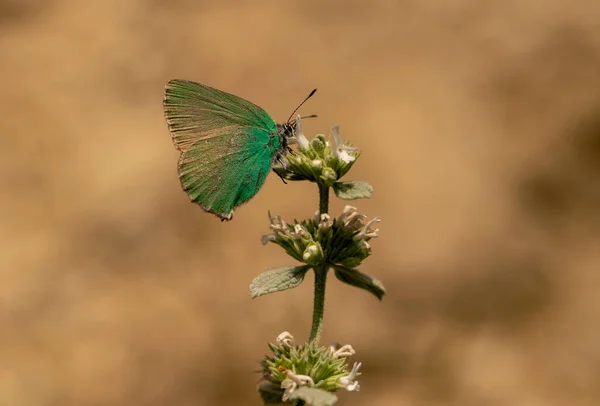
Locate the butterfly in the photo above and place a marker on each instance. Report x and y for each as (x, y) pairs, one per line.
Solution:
(228, 145)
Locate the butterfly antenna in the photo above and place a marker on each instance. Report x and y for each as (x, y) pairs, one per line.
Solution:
(300, 105)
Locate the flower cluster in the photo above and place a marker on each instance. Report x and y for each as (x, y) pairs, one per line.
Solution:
(319, 160)
(323, 240)
(292, 367)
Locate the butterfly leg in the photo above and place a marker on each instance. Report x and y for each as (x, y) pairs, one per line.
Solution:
(283, 165)
(281, 162)
(280, 177)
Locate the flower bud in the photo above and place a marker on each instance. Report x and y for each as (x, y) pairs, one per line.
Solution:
(328, 176)
(317, 144)
(285, 340)
(313, 254)
(325, 224)
(316, 163)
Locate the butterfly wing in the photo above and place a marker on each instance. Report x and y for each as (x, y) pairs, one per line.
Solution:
(227, 145)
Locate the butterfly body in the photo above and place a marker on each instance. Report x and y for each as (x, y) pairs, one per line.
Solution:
(228, 145)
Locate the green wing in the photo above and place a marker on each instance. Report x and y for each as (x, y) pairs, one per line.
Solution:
(227, 145)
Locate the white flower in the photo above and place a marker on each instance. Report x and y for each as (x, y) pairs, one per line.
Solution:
(325, 223)
(267, 237)
(348, 210)
(285, 339)
(343, 351)
(289, 386)
(299, 134)
(299, 232)
(341, 151)
(348, 381)
(351, 218)
(300, 379)
(278, 225)
(367, 232)
(292, 382)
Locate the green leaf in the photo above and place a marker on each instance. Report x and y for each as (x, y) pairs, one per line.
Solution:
(360, 280)
(276, 280)
(270, 393)
(314, 396)
(352, 190)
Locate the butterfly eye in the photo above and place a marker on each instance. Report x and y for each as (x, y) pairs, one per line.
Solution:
(287, 129)
(293, 126)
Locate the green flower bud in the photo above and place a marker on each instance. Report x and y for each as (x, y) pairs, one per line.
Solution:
(318, 144)
(328, 176)
(316, 164)
(313, 254)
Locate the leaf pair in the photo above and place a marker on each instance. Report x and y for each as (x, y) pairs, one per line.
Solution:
(280, 279)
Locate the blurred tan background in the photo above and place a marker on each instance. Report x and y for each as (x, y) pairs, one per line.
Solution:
(479, 123)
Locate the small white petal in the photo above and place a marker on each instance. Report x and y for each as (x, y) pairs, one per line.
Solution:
(289, 386)
(285, 339)
(344, 351)
(299, 135)
(316, 216)
(299, 379)
(354, 221)
(370, 223)
(337, 139)
(345, 156)
(350, 218)
(278, 225)
(325, 223)
(340, 150)
(367, 232)
(299, 231)
(353, 387)
(348, 381)
(265, 239)
(348, 211)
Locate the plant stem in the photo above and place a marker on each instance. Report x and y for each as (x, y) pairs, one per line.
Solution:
(323, 199)
(319, 303)
(320, 278)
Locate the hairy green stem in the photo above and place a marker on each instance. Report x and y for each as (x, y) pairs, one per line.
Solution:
(320, 278)
(323, 199)
(319, 304)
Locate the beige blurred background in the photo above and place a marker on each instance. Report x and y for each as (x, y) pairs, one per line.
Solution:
(479, 123)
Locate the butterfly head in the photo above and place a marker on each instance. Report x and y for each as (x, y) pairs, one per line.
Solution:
(288, 130)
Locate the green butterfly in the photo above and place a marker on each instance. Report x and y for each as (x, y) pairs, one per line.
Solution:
(228, 145)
